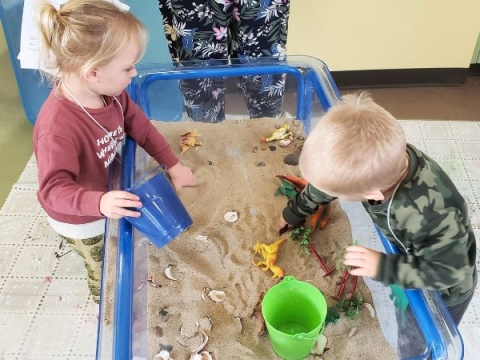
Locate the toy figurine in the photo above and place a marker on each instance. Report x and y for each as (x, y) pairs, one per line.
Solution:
(282, 132)
(270, 255)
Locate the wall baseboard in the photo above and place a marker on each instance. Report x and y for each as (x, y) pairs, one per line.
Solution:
(474, 70)
(400, 77)
(389, 78)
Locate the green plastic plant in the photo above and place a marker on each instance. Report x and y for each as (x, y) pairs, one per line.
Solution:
(350, 307)
(301, 235)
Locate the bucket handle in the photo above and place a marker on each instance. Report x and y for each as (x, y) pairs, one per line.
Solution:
(144, 176)
(304, 336)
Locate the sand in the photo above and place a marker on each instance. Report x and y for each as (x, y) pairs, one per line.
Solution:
(236, 171)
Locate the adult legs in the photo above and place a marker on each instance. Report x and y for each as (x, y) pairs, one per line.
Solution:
(259, 29)
(197, 31)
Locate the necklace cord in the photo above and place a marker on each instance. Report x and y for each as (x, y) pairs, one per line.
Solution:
(91, 117)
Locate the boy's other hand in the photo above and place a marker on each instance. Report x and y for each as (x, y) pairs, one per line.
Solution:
(363, 260)
(182, 176)
(113, 204)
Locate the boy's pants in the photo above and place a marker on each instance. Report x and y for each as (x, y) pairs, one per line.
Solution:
(91, 250)
(244, 30)
(458, 311)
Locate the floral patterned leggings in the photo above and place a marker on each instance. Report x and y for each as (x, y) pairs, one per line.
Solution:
(91, 250)
(221, 29)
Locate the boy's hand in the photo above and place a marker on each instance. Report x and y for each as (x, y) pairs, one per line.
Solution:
(113, 204)
(363, 260)
(182, 176)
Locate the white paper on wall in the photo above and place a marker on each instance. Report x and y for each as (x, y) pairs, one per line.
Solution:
(29, 36)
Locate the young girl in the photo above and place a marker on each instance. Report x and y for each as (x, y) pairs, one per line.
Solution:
(92, 47)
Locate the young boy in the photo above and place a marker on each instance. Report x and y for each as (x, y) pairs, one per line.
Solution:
(358, 152)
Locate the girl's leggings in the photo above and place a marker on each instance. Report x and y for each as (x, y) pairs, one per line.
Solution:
(91, 250)
(218, 30)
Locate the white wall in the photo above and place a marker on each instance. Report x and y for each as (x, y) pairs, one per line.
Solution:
(385, 34)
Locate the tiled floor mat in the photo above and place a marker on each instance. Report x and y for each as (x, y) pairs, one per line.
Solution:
(45, 308)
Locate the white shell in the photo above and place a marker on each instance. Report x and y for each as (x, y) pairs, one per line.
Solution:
(217, 295)
(206, 290)
(352, 332)
(231, 216)
(151, 280)
(370, 309)
(168, 274)
(286, 142)
(163, 355)
(201, 237)
(202, 345)
(320, 344)
(204, 355)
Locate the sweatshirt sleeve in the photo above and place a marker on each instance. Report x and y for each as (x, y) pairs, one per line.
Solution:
(306, 203)
(437, 260)
(140, 129)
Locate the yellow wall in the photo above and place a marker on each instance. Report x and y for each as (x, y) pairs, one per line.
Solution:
(385, 34)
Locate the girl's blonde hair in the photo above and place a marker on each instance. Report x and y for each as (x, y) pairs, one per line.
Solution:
(356, 147)
(84, 34)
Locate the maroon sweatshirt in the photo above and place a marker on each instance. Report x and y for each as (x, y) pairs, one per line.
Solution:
(73, 153)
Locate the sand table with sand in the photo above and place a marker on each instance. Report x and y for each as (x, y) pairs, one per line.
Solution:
(236, 171)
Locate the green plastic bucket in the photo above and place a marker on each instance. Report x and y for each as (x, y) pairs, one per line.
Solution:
(294, 312)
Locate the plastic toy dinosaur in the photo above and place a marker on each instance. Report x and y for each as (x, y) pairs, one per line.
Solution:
(270, 255)
(189, 140)
(282, 132)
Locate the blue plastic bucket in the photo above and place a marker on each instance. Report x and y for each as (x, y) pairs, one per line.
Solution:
(163, 215)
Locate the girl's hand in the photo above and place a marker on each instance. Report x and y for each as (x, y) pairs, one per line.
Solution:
(363, 260)
(182, 176)
(113, 204)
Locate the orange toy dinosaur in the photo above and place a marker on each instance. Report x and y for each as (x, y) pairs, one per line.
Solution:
(270, 255)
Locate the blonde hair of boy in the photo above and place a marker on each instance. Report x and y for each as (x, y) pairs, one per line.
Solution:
(356, 147)
(84, 34)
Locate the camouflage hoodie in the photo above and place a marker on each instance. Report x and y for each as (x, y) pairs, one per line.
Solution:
(431, 227)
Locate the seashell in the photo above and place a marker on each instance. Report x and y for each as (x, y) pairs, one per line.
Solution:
(296, 123)
(163, 355)
(320, 345)
(231, 216)
(217, 295)
(352, 332)
(201, 237)
(370, 309)
(205, 323)
(151, 280)
(206, 290)
(204, 355)
(189, 333)
(202, 345)
(286, 142)
(168, 274)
